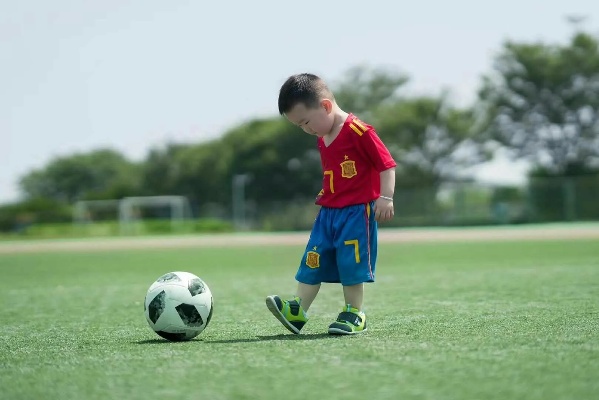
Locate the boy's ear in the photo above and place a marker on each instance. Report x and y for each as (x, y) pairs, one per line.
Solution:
(327, 104)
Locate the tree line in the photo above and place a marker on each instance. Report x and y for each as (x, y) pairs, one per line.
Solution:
(539, 102)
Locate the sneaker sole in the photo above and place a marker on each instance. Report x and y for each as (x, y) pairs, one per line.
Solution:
(336, 331)
(272, 306)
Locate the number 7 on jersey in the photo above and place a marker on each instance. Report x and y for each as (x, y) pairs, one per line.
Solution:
(330, 173)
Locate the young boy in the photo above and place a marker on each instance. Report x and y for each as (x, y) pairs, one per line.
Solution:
(357, 191)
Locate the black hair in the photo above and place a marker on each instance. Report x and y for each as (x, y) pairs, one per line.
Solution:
(305, 88)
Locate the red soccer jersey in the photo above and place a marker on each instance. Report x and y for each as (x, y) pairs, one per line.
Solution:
(352, 164)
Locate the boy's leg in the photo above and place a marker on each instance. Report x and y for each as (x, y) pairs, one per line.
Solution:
(356, 258)
(354, 295)
(356, 247)
(317, 265)
(307, 294)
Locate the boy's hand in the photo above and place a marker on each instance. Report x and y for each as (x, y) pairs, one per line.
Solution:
(383, 210)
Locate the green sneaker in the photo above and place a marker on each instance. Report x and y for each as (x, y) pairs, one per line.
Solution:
(349, 322)
(289, 312)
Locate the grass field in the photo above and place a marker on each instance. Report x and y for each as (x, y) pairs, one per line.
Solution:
(508, 320)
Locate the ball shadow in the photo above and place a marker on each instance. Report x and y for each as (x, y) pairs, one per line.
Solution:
(164, 341)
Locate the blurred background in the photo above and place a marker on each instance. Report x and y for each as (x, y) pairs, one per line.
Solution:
(149, 117)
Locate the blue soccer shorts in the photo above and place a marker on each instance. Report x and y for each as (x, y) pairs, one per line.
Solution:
(342, 247)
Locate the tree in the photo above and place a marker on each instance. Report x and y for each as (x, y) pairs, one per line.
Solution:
(282, 160)
(432, 142)
(160, 170)
(542, 103)
(17, 217)
(430, 139)
(204, 172)
(362, 89)
(97, 174)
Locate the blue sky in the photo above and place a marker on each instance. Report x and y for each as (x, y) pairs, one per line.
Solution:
(132, 74)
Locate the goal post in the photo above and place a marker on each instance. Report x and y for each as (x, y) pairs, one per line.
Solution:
(128, 206)
(127, 210)
(83, 210)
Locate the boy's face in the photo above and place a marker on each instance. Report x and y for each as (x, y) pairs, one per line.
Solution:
(314, 121)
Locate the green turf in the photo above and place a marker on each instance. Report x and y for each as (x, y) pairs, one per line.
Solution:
(447, 321)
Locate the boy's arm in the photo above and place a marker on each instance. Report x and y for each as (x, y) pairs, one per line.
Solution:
(383, 207)
(388, 183)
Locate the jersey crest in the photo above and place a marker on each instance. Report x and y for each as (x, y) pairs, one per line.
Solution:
(348, 168)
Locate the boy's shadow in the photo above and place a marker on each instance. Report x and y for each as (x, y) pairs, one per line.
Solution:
(279, 337)
(259, 338)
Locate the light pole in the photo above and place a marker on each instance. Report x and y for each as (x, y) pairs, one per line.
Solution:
(238, 194)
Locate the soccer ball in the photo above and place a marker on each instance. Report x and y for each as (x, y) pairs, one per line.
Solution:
(178, 306)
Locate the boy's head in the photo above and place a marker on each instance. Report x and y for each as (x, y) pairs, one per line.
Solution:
(306, 101)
